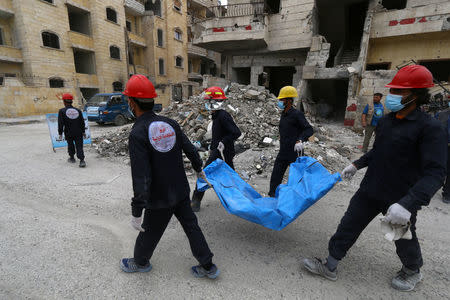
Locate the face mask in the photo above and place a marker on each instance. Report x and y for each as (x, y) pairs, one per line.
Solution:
(394, 102)
(208, 107)
(131, 111)
(213, 105)
(280, 104)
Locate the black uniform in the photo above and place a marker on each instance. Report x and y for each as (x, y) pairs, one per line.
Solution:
(293, 127)
(407, 165)
(160, 184)
(223, 130)
(71, 122)
(444, 118)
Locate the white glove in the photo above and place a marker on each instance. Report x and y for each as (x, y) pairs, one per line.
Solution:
(349, 171)
(84, 136)
(221, 146)
(59, 138)
(397, 214)
(136, 223)
(299, 146)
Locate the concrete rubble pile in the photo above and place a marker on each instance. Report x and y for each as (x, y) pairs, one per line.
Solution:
(255, 113)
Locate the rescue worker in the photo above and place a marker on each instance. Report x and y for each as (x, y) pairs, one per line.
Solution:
(369, 119)
(294, 131)
(406, 167)
(160, 185)
(71, 122)
(224, 134)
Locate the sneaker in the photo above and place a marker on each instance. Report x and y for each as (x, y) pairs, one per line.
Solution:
(82, 164)
(200, 272)
(71, 160)
(316, 266)
(406, 279)
(130, 266)
(195, 204)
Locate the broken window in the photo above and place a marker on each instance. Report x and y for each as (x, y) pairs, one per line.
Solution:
(160, 38)
(114, 52)
(178, 35)
(378, 66)
(272, 7)
(179, 61)
(2, 40)
(161, 66)
(117, 86)
(394, 4)
(111, 15)
(154, 6)
(84, 61)
(56, 83)
(79, 20)
(128, 24)
(50, 40)
(439, 68)
(177, 5)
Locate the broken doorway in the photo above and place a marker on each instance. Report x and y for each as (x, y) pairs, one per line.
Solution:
(327, 98)
(279, 77)
(342, 25)
(241, 75)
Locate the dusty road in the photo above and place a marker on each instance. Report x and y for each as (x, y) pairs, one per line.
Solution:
(63, 230)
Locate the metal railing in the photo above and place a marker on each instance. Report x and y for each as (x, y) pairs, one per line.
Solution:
(236, 10)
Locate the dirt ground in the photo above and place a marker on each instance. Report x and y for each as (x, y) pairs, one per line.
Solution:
(64, 229)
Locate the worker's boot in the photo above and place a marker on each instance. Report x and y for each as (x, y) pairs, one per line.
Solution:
(71, 160)
(316, 266)
(82, 164)
(195, 204)
(406, 279)
(129, 265)
(200, 272)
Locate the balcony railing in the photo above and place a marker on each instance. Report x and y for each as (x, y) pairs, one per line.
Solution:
(236, 10)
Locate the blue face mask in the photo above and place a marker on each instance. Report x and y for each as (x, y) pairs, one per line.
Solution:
(394, 102)
(208, 107)
(280, 104)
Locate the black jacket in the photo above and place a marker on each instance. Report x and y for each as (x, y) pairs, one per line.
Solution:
(224, 130)
(71, 122)
(156, 144)
(407, 164)
(293, 127)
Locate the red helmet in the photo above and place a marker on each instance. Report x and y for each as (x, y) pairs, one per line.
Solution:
(214, 93)
(412, 77)
(67, 96)
(138, 86)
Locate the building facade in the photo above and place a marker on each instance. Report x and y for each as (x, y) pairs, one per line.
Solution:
(48, 47)
(338, 53)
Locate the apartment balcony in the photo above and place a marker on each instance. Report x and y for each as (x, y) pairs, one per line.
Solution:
(6, 9)
(195, 77)
(87, 80)
(81, 41)
(232, 34)
(424, 19)
(134, 7)
(232, 27)
(137, 39)
(196, 51)
(10, 54)
(82, 4)
(203, 3)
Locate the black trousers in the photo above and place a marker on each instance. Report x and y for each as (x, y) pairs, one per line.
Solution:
(155, 223)
(279, 168)
(75, 142)
(446, 189)
(360, 212)
(215, 154)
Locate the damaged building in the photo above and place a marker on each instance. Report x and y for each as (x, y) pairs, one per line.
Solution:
(338, 53)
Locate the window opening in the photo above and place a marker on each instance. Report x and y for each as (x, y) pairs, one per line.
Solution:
(394, 4)
(111, 15)
(50, 40)
(114, 52)
(128, 23)
(179, 61)
(178, 35)
(56, 83)
(378, 66)
(160, 38)
(161, 66)
(177, 5)
(154, 6)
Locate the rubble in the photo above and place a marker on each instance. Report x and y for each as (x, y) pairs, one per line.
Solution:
(256, 114)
